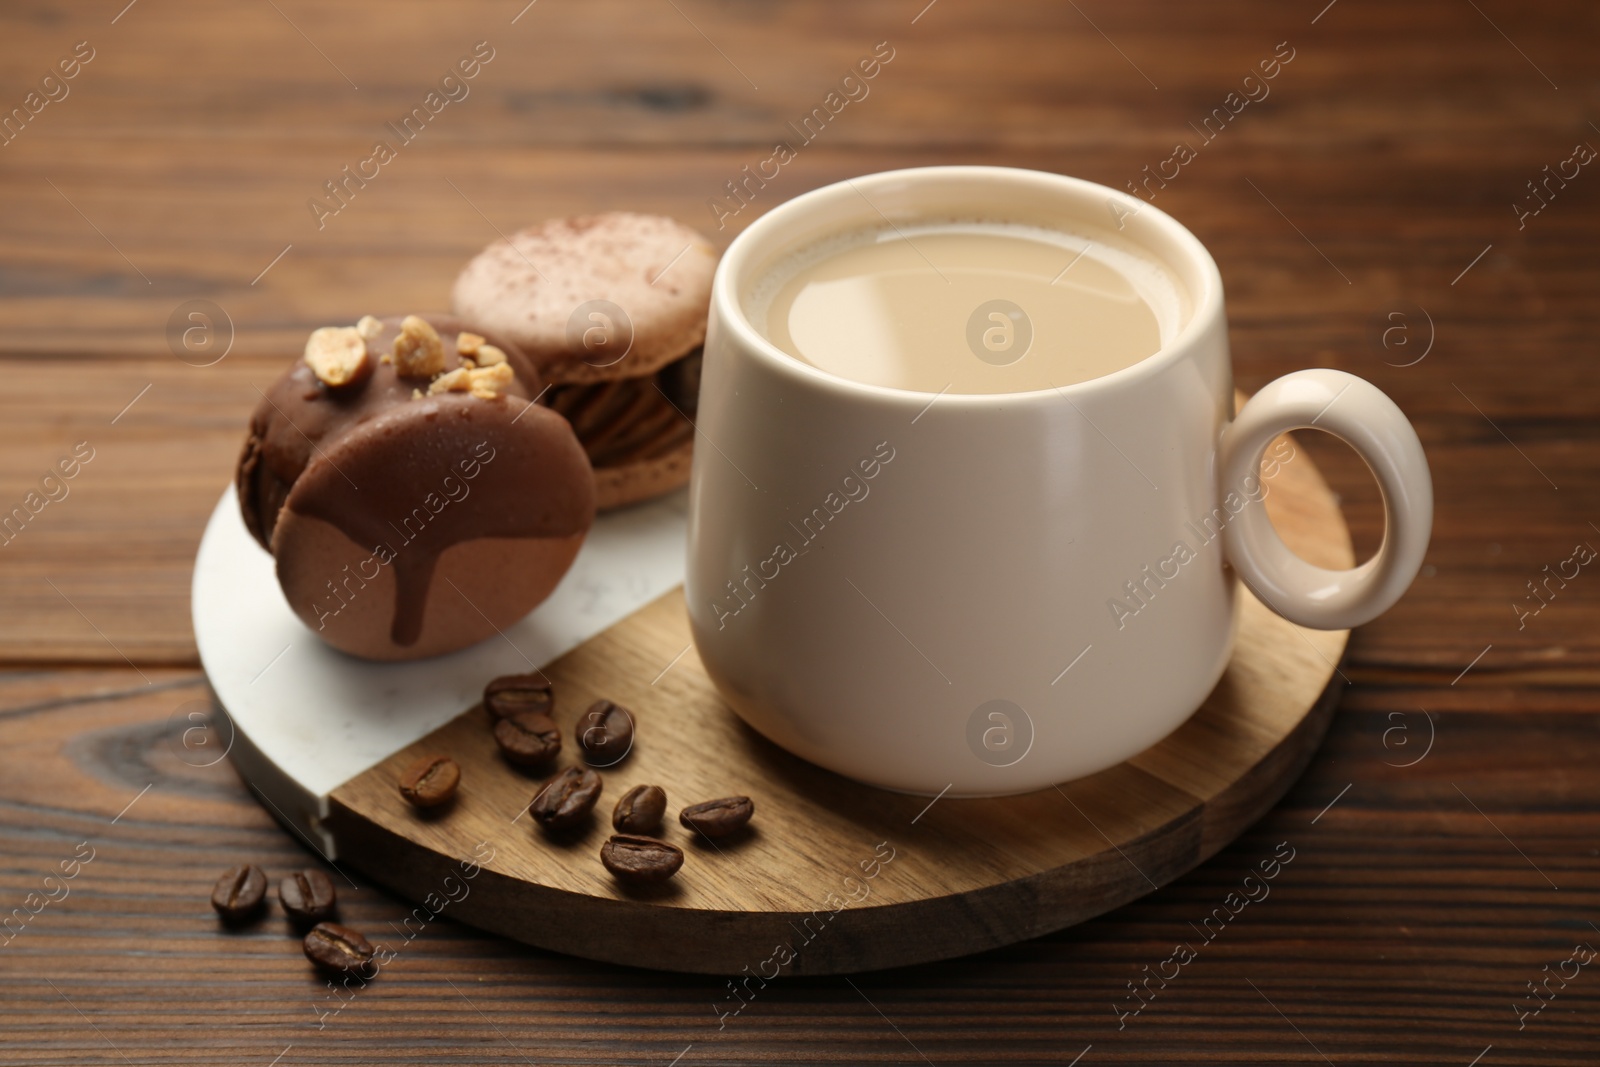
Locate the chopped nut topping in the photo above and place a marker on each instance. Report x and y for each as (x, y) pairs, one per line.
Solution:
(486, 383)
(467, 363)
(489, 382)
(467, 343)
(489, 355)
(369, 326)
(455, 381)
(416, 394)
(386, 358)
(337, 355)
(418, 352)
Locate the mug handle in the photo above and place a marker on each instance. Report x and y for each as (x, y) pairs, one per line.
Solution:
(1360, 415)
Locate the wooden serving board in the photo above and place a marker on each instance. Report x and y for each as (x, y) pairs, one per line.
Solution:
(834, 876)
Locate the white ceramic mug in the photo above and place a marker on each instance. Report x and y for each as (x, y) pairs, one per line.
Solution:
(875, 574)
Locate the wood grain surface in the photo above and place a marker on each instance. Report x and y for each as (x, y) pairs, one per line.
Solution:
(1458, 859)
(835, 877)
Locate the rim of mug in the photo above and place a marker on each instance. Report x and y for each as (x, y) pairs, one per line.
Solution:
(1206, 302)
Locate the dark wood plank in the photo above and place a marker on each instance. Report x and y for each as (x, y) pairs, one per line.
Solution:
(1370, 144)
(1396, 143)
(101, 572)
(1374, 160)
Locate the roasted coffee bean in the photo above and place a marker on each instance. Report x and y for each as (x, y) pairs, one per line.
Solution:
(640, 859)
(718, 818)
(528, 738)
(512, 693)
(566, 799)
(605, 733)
(339, 950)
(239, 892)
(430, 781)
(640, 810)
(307, 896)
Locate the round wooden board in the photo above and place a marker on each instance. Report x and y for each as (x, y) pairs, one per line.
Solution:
(834, 876)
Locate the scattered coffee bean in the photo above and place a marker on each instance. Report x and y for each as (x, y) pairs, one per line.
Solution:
(307, 896)
(338, 950)
(528, 738)
(605, 733)
(640, 859)
(512, 693)
(718, 818)
(566, 799)
(640, 810)
(430, 781)
(239, 892)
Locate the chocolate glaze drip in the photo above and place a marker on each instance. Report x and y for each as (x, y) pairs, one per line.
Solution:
(443, 470)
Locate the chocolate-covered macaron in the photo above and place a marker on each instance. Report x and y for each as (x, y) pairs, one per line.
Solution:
(414, 498)
(611, 308)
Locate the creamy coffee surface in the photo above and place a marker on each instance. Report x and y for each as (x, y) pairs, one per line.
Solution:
(966, 308)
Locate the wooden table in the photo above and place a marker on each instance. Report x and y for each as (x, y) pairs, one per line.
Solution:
(1371, 212)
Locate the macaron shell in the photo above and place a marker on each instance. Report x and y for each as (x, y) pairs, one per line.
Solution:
(422, 529)
(534, 288)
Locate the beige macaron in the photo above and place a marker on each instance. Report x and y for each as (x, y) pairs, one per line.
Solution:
(611, 309)
(594, 298)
